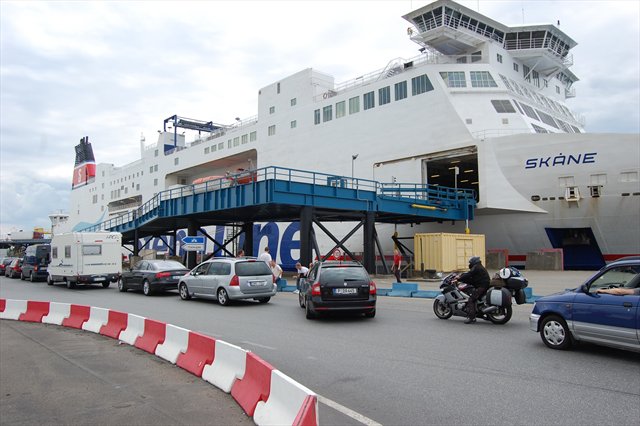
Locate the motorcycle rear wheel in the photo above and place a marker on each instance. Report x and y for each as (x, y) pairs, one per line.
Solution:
(442, 310)
(501, 316)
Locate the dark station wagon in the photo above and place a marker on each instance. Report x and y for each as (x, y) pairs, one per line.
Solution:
(336, 286)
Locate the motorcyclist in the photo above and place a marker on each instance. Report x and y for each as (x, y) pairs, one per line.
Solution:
(479, 279)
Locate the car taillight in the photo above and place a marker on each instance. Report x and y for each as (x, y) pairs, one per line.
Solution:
(315, 289)
(163, 275)
(235, 281)
(372, 288)
(35, 268)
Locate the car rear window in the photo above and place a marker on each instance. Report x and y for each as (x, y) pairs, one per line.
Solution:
(245, 269)
(167, 264)
(334, 274)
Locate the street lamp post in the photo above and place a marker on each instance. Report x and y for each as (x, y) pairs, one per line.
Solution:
(353, 160)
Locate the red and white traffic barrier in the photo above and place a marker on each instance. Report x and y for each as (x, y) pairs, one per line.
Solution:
(266, 394)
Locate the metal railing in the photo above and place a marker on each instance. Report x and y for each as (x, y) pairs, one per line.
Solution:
(411, 191)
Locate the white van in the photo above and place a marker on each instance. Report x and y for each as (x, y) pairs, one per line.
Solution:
(85, 258)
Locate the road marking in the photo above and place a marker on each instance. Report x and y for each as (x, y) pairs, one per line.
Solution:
(258, 345)
(348, 412)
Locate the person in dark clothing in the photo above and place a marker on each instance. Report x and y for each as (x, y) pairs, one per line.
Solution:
(478, 277)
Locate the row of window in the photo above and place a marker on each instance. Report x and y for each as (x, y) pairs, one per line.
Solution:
(87, 250)
(420, 84)
(478, 79)
(541, 99)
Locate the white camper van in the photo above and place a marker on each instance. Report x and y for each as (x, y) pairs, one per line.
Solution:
(85, 258)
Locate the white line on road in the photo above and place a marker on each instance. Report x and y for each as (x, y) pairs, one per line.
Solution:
(258, 345)
(348, 412)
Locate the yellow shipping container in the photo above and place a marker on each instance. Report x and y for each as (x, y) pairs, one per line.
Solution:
(444, 252)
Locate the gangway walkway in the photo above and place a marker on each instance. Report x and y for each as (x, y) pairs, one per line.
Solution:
(285, 195)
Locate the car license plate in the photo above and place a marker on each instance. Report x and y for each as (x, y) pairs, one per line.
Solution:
(345, 291)
(100, 279)
(256, 283)
(177, 277)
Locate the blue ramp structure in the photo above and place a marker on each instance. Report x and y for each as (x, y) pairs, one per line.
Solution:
(286, 195)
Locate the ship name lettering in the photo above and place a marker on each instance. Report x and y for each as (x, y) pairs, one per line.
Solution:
(560, 160)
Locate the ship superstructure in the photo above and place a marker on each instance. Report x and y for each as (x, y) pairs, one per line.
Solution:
(481, 107)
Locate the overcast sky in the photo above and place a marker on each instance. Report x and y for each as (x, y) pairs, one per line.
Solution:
(115, 70)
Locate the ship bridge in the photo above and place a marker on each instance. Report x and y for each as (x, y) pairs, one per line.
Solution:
(288, 195)
(454, 30)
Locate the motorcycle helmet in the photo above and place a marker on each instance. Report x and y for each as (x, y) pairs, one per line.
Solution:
(474, 260)
(505, 273)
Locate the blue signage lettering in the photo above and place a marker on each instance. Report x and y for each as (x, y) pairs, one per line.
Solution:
(560, 160)
(288, 244)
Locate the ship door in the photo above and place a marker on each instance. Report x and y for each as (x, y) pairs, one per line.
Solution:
(580, 248)
(439, 169)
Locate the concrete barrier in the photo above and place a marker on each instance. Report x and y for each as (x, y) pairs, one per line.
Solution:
(78, 315)
(402, 289)
(200, 352)
(116, 323)
(13, 309)
(58, 312)
(254, 386)
(228, 366)
(153, 335)
(35, 311)
(135, 329)
(175, 342)
(287, 399)
(98, 318)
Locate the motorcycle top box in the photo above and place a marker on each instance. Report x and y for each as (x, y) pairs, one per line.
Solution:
(516, 283)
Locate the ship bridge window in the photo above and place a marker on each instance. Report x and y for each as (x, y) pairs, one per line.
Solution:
(384, 95)
(482, 79)
(503, 106)
(341, 109)
(547, 119)
(518, 106)
(454, 79)
(244, 139)
(539, 129)
(400, 90)
(529, 111)
(564, 126)
(368, 100)
(252, 137)
(505, 80)
(420, 84)
(354, 105)
(476, 56)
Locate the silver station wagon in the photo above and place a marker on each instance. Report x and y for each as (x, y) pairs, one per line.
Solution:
(227, 279)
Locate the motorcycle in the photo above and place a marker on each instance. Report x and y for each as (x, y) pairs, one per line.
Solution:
(494, 306)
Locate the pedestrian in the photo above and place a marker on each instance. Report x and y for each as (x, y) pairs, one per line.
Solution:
(276, 270)
(265, 256)
(302, 273)
(240, 253)
(397, 262)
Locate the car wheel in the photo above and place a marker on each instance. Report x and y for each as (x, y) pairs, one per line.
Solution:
(22, 277)
(301, 300)
(106, 284)
(32, 278)
(370, 314)
(49, 280)
(501, 316)
(70, 284)
(121, 286)
(184, 292)
(309, 314)
(146, 288)
(264, 299)
(555, 333)
(223, 297)
(442, 310)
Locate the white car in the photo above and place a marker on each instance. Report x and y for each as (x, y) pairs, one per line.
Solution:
(227, 279)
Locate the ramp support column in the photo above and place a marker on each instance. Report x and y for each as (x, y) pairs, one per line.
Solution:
(247, 229)
(369, 252)
(192, 230)
(306, 237)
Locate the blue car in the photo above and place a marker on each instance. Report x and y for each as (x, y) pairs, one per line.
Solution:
(605, 310)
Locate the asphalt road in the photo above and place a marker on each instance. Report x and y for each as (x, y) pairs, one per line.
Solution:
(405, 366)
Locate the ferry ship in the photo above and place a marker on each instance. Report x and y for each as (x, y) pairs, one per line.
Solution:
(482, 107)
